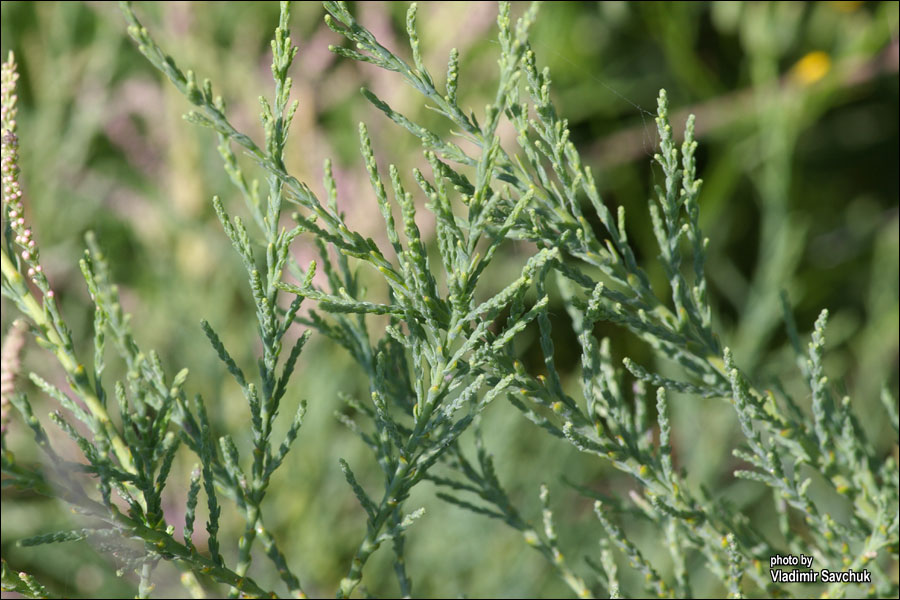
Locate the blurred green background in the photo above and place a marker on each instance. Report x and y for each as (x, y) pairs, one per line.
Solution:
(797, 117)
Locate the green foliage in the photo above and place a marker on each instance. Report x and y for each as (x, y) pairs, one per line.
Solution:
(439, 342)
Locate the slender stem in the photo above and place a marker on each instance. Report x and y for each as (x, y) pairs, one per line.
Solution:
(78, 378)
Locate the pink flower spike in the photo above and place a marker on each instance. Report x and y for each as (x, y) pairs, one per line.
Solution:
(26, 255)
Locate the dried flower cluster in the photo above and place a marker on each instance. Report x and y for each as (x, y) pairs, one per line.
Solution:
(12, 190)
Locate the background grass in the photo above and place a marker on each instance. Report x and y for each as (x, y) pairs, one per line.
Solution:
(797, 112)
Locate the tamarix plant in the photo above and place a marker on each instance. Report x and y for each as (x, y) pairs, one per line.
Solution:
(438, 347)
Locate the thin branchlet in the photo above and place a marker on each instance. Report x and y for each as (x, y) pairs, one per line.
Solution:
(446, 349)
